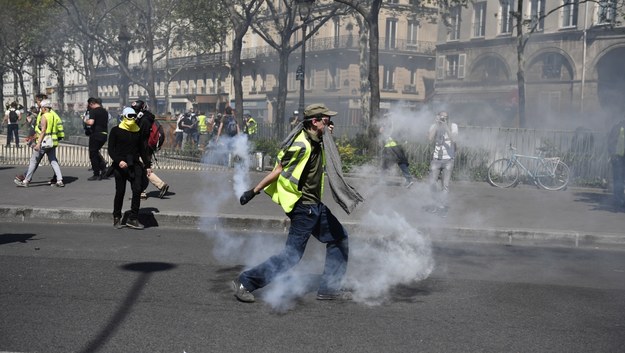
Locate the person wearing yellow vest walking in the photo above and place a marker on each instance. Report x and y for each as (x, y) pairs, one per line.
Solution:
(296, 184)
(250, 127)
(203, 130)
(393, 153)
(46, 129)
(34, 122)
(616, 149)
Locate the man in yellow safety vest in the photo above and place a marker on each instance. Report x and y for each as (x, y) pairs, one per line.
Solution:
(296, 184)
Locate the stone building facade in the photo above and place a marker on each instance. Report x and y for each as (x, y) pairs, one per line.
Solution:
(573, 63)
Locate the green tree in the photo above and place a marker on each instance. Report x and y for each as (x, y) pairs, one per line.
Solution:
(277, 27)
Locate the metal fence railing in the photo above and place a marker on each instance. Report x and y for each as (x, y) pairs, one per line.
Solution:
(584, 151)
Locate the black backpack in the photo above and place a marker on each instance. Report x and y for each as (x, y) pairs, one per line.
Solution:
(13, 116)
(231, 126)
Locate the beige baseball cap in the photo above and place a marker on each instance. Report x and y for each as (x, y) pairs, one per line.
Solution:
(317, 109)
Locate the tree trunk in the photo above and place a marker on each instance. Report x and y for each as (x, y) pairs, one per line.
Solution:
(60, 90)
(2, 72)
(149, 45)
(374, 74)
(521, 41)
(235, 70)
(363, 41)
(20, 77)
(283, 72)
(521, 86)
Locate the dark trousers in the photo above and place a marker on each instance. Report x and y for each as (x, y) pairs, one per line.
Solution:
(96, 141)
(396, 154)
(13, 131)
(618, 176)
(179, 137)
(133, 174)
(306, 220)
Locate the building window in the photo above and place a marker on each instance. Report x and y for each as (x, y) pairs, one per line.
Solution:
(569, 13)
(607, 11)
(451, 66)
(333, 77)
(411, 87)
(310, 78)
(337, 32)
(506, 7)
(290, 81)
(391, 33)
(537, 14)
(552, 66)
(388, 81)
(454, 20)
(479, 19)
(413, 33)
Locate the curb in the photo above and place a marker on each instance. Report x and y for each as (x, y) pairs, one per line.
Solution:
(269, 224)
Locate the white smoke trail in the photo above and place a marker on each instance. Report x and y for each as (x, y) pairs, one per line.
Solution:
(387, 251)
(241, 151)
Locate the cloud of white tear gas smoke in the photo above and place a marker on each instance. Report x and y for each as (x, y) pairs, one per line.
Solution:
(227, 187)
(241, 149)
(386, 248)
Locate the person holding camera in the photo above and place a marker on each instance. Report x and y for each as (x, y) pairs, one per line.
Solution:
(443, 135)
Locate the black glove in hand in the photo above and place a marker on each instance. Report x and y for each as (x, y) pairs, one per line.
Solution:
(247, 196)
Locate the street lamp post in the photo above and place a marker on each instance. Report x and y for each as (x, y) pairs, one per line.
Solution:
(38, 56)
(124, 39)
(304, 8)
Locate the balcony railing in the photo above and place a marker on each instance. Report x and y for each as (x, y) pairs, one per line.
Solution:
(315, 44)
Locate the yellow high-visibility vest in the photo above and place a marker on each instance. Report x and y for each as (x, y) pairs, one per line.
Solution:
(50, 126)
(285, 190)
(202, 123)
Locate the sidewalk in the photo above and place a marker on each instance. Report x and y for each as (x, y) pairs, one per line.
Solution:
(479, 212)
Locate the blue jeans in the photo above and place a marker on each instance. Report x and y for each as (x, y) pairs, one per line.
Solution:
(36, 158)
(306, 220)
(447, 166)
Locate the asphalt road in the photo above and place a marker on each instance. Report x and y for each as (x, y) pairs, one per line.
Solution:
(90, 288)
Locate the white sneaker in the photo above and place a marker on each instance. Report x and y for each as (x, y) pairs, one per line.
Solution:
(23, 183)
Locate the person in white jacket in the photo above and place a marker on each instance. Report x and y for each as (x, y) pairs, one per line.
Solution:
(443, 135)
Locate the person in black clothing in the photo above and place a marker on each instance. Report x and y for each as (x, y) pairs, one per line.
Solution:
(98, 122)
(146, 119)
(127, 150)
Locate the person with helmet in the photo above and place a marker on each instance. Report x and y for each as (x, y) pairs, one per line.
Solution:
(127, 150)
(146, 120)
(296, 184)
(45, 130)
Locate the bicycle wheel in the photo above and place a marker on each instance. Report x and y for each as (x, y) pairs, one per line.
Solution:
(503, 173)
(553, 179)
